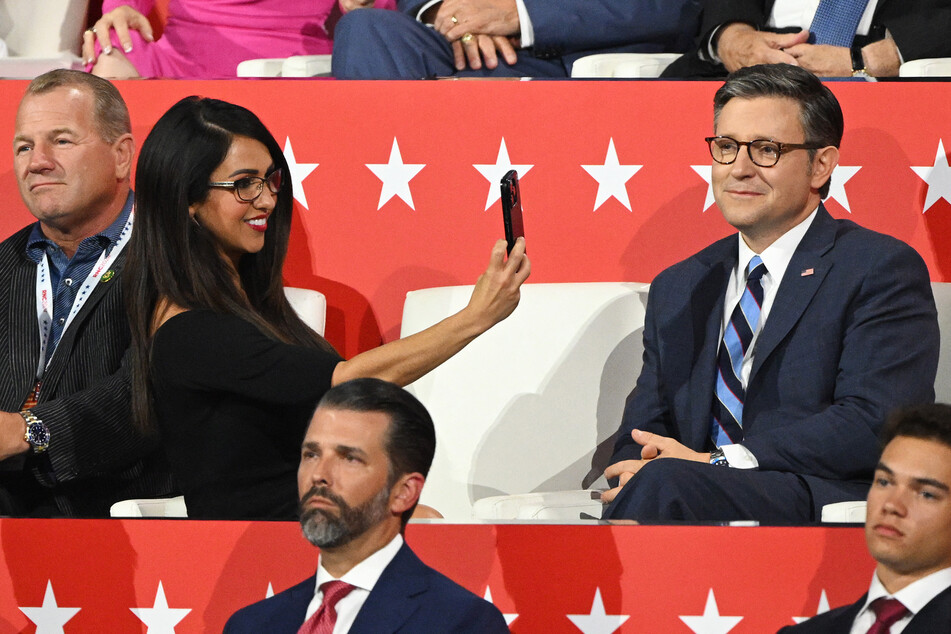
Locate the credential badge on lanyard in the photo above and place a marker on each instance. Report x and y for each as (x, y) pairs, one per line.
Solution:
(44, 292)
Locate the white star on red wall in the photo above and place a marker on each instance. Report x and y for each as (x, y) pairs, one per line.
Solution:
(823, 607)
(160, 619)
(50, 618)
(597, 621)
(711, 622)
(298, 172)
(494, 173)
(612, 178)
(395, 176)
(937, 177)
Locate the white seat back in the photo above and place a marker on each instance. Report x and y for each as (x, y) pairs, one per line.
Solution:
(524, 407)
(310, 306)
(929, 67)
(150, 507)
(41, 35)
(622, 65)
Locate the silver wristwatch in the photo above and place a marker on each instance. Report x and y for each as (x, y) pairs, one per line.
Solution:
(37, 433)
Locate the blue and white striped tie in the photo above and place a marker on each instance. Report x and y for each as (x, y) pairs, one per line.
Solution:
(835, 22)
(726, 426)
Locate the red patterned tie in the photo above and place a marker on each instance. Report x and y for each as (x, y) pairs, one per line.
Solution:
(887, 612)
(324, 619)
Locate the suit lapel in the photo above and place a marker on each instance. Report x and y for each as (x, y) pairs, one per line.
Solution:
(23, 352)
(806, 271)
(396, 595)
(706, 299)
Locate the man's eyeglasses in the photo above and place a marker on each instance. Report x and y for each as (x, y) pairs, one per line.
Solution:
(248, 189)
(763, 152)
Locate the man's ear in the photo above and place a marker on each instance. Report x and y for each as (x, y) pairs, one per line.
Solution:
(825, 161)
(405, 493)
(124, 151)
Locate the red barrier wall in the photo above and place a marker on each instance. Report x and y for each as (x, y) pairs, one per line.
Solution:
(652, 575)
(365, 256)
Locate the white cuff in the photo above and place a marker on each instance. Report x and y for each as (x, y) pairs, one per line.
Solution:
(739, 457)
(525, 24)
(422, 9)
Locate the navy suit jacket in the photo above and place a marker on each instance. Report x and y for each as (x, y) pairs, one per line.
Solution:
(408, 597)
(934, 617)
(919, 28)
(572, 28)
(852, 334)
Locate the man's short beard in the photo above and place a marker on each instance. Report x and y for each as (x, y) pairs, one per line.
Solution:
(326, 530)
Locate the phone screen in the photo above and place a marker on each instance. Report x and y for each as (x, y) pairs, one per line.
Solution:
(512, 209)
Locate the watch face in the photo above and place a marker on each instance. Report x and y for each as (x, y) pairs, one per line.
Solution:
(38, 435)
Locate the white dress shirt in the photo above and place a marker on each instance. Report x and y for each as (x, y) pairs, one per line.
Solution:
(800, 13)
(914, 596)
(363, 577)
(776, 257)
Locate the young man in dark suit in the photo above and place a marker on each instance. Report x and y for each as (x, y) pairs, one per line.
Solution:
(825, 328)
(364, 461)
(68, 446)
(908, 531)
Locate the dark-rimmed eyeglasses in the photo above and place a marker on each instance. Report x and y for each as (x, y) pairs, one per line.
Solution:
(763, 152)
(248, 189)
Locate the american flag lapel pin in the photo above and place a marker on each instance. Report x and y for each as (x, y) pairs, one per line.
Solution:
(807, 272)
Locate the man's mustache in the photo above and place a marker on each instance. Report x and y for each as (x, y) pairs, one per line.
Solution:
(323, 492)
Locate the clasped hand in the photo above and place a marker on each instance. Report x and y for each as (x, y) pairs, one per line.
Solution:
(653, 447)
(493, 25)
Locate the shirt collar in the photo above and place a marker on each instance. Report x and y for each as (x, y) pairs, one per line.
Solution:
(366, 573)
(914, 596)
(776, 256)
(37, 243)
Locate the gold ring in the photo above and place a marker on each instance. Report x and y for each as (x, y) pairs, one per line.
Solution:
(91, 30)
(454, 20)
(468, 37)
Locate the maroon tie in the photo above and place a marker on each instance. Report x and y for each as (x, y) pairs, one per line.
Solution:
(324, 619)
(887, 612)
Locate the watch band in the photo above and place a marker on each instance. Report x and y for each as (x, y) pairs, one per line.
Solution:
(37, 434)
(718, 458)
(858, 62)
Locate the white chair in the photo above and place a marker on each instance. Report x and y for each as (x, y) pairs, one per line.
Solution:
(532, 405)
(930, 67)
(622, 65)
(311, 307)
(296, 66)
(150, 507)
(41, 35)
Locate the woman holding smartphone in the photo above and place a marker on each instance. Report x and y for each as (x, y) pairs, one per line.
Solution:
(223, 369)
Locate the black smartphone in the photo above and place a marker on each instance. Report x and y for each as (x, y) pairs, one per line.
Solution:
(512, 209)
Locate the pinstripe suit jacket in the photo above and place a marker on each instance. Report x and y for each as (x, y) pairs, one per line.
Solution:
(95, 456)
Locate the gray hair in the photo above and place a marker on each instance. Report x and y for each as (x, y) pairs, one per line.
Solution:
(110, 114)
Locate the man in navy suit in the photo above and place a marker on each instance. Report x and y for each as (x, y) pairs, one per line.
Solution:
(908, 531)
(839, 330)
(503, 38)
(364, 461)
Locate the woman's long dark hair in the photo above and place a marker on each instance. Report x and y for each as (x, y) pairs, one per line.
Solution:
(172, 257)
